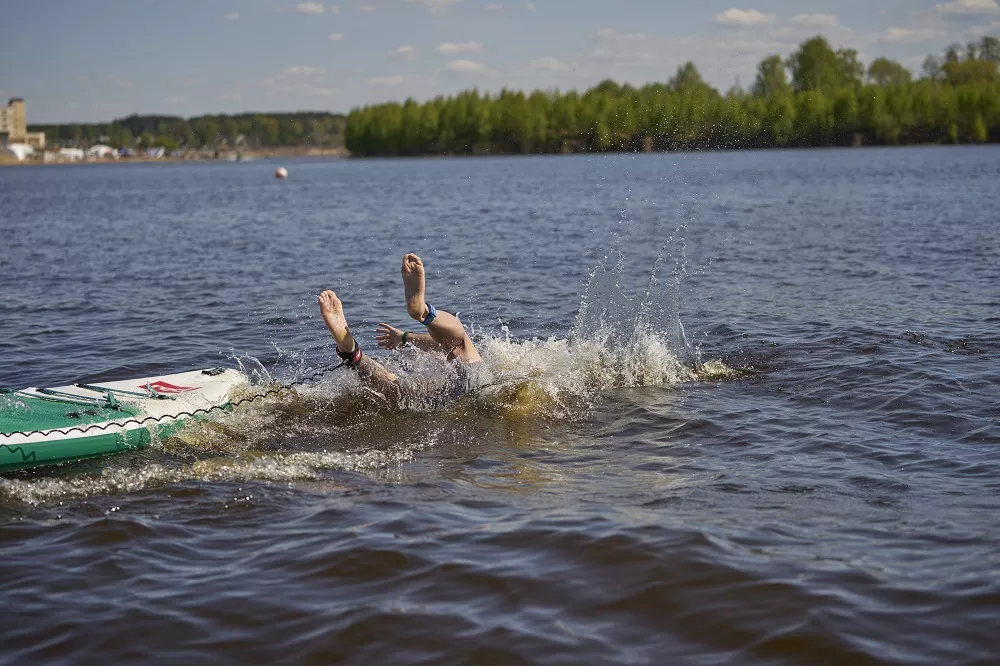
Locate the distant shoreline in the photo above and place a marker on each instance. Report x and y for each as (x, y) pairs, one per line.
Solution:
(340, 153)
(193, 156)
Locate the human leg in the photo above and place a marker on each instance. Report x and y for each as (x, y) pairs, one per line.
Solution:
(445, 328)
(333, 315)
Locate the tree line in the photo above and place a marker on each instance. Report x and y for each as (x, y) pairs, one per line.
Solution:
(818, 96)
(252, 130)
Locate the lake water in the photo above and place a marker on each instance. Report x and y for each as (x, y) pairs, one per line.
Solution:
(746, 410)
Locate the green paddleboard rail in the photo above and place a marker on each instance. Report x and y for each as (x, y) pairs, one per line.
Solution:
(27, 415)
(21, 413)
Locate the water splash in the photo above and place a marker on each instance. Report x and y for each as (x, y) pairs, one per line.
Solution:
(625, 324)
(253, 369)
(618, 340)
(272, 467)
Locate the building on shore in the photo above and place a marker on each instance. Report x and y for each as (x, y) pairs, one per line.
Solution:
(14, 126)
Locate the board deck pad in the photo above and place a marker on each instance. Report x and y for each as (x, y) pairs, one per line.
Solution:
(49, 426)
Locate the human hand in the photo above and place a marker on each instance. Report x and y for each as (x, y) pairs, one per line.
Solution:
(388, 337)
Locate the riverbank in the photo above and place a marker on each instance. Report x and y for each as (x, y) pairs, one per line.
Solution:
(51, 157)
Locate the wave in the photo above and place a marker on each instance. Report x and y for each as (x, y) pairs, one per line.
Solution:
(618, 340)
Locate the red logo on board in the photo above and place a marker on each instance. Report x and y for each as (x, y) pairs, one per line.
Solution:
(164, 387)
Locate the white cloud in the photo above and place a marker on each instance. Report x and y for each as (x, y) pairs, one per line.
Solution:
(815, 21)
(232, 16)
(194, 82)
(454, 48)
(119, 81)
(530, 6)
(367, 8)
(314, 8)
(310, 8)
(406, 51)
(321, 92)
(230, 97)
(336, 37)
(629, 58)
(176, 100)
(549, 64)
(465, 66)
(909, 35)
(303, 70)
(968, 8)
(435, 6)
(980, 30)
(804, 26)
(735, 16)
(386, 80)
(494, 7)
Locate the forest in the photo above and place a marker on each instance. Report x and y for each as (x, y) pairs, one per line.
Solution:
(818, 96)
(253, 130)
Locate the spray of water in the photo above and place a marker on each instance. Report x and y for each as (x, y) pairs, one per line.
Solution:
(619, 339)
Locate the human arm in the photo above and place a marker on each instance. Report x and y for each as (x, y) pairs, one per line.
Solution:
(390, 337)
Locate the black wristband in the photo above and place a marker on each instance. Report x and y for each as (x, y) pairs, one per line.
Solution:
(402, 341)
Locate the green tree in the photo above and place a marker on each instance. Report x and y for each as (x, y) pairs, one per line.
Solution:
(979, 132)
(970, 72)
(989, 49)
(120, 137)
(687, 78)
(771, 78)
(884, 72)
(852, 72)
(167, 143)
(816, 66)
(932, 69)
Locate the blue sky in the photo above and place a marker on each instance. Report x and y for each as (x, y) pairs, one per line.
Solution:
(96, 60)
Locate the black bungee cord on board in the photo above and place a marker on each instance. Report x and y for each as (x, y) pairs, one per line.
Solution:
(83, 429)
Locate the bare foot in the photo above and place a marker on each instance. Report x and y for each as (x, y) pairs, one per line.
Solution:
(413, 286)
(333, 314)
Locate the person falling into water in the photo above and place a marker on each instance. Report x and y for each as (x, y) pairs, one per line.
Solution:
(445, 334)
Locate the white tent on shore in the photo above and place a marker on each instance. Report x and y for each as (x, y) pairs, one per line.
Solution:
(19, 150)
(70, 154)
(100, 152)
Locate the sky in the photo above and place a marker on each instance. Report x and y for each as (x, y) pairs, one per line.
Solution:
(96, 60)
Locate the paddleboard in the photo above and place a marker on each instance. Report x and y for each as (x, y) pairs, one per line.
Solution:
(46, 426)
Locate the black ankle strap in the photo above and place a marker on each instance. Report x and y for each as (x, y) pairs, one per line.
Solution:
(351, 358)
